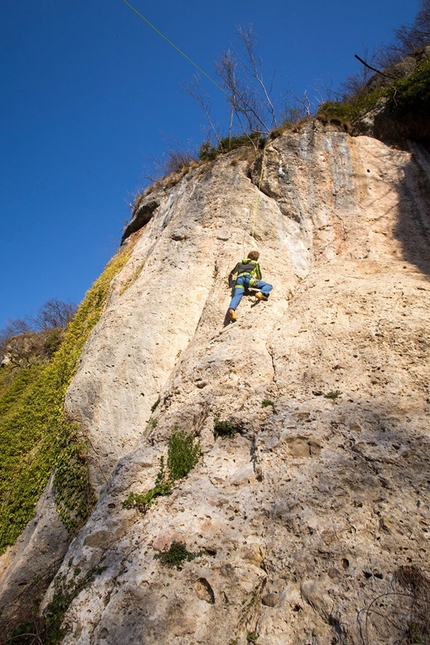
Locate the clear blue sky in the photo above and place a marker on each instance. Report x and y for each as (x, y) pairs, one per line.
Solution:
(91, 95)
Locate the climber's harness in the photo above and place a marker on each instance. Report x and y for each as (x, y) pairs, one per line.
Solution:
(246, 280)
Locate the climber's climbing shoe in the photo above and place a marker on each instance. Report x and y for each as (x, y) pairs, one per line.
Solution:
(232, 314)
(261, 296)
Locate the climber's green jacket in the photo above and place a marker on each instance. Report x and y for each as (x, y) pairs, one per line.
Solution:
(247, 267)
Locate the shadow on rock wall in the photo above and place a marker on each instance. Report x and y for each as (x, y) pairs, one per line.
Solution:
(413, 227)
(385, 474)
(353, 514)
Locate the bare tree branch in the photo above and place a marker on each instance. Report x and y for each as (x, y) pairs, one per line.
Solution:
(242, 96)
(249, 41)
(203, 100)
(378, 71)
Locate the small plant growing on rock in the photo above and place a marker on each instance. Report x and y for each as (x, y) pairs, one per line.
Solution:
(225, 428)
(183, 454)
(252, 637)
(176, 555)
(47, 627)
(155, 405)
(333, 395)
(152, 424)
(144, 501)
(266, 402)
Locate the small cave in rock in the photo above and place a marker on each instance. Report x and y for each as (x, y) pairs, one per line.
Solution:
(204, 591)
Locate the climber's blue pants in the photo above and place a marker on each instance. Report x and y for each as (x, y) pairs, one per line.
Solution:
(242, 283)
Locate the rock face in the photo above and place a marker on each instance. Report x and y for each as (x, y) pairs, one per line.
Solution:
(311, 524)
(27, 568)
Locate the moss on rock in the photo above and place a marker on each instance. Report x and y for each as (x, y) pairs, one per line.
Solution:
(35, 437)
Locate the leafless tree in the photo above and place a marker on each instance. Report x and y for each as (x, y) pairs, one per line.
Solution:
(412, 37)
(202, 98)
(244, 102)
(254, 71)
(408, 40)
(250, 106)
(54, 313)
(297, 107)
(249, 97)
(355, 83)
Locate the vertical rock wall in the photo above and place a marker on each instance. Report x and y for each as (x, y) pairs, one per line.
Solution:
(312, 522)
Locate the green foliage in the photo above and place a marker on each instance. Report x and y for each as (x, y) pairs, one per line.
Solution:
(266, 402)
(23, 634)
(411, 94)
(183, 454)
(152, 424)
(207, 151)
(155, 405)
(47, 628)
(144, 501)
(348, 110)
(176, 555)
(52, 341)
(252, 637)
(8, 374)
(344, 111)
(408, 95)
(13, 383)
(415, 635)
(33, 433)
(225, 428)
(73, 492)
(333, 395)
(141, 501)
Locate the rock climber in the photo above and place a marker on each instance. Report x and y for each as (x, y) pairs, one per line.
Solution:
(248, 276)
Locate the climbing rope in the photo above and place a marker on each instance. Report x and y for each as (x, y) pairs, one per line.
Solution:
(257, 201)
(254, 212)
(174, 46)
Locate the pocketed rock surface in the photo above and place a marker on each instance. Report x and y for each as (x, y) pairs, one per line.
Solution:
(310, 525)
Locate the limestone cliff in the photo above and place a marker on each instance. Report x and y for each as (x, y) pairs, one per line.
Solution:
(312, 522)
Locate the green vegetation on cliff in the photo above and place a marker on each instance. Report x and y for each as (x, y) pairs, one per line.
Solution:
(36, 438)
(405, 96)
(412, 93)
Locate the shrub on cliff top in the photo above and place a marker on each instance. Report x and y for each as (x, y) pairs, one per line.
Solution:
(408, 95)
(412, 93)
(208, 151)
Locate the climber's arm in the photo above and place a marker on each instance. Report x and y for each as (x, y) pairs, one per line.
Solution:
(234, 271)
(232, 274)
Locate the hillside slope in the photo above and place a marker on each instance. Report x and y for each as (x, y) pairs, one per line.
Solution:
(311, 522)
